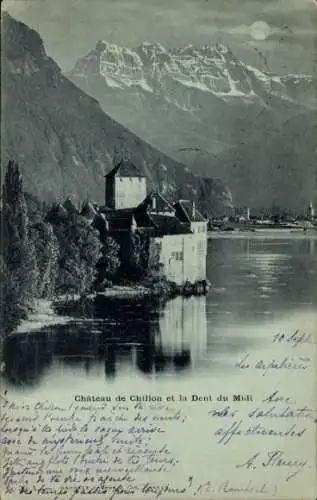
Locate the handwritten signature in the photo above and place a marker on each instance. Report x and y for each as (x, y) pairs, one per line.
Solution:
(275, 459)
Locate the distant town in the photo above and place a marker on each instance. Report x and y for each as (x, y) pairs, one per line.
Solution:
(266, 218)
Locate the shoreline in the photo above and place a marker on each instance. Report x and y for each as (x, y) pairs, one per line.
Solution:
(261, 232)
(42, 316)
(45, 312)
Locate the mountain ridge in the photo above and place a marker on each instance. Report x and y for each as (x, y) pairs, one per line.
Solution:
(138, 65)
(207, 109)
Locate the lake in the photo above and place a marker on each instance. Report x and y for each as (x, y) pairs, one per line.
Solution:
(260, 284)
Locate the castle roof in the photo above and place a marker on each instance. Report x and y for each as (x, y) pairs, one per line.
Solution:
(125, 168)
(56, 212)
(88, 210)
(158, 223)
(118, 220)
(156, 203)
(187, 211)
(165, 224)
(70, 206)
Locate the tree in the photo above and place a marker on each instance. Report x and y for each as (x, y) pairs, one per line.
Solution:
(133, 251)
(45, 244)
(109, 262)
(138, 261)
(19, 267)
(47, 251)
(79, 252)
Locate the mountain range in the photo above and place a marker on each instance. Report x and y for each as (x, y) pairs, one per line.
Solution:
(221, 117)
(62, 139)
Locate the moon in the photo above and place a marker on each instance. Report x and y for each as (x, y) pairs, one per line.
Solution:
(260, 30)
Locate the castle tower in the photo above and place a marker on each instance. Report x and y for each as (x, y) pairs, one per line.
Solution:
(125, 185)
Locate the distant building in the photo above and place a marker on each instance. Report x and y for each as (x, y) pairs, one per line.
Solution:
(311, 212)
(242, 214)
(177, 234)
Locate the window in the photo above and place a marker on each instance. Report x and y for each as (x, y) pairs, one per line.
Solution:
(177, 255)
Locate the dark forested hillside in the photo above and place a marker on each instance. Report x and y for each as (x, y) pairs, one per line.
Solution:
(62, 140)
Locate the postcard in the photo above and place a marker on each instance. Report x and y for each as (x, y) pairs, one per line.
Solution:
(158, 254)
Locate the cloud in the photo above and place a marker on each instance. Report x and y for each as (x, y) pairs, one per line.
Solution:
(259, 30)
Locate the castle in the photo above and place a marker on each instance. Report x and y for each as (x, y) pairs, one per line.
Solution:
(177, 233)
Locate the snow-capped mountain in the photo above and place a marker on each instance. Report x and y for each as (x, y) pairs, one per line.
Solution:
(199, 103)
(212, 70)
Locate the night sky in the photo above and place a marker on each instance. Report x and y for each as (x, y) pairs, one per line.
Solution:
(276, 35)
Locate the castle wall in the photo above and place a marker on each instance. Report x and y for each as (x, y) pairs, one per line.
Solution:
(129, 191)
(199, 240)
(171, 257)
(182, 257)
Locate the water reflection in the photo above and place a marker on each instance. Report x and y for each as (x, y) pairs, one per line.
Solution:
(254, 278)
(183, 326)
(148, 339)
